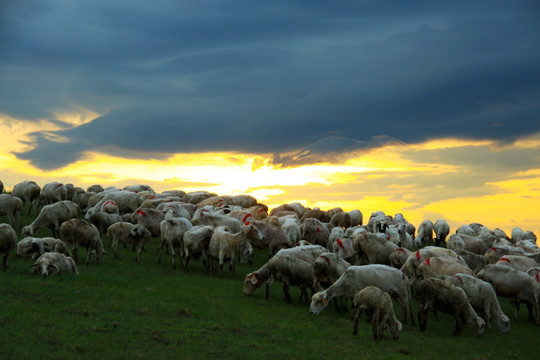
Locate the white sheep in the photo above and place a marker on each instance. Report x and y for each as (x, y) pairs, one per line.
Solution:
(374, 301)
(126, 201)
(172, 234)
(399, 256)
(535, 285)
(52, 216)
(482, 297)
(32, 247)
(441, 229)
(150, 219)
(328, 268)
(416, 258)
(355, 278)
(28, 191)
(374, 248)
(291, 227)
(315, 232)
(518, 234)
(102, 220)
(196, 242)
(205, 217)
(53, 192)
(463, 241)
(8, 242)
(52, 263)
(435, 266)
(12, 206)
(518, 262)
(79, 232)
(425, 234)
(124, 233)
(474, 261)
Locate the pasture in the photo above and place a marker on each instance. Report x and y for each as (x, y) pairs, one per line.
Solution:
(124, 310)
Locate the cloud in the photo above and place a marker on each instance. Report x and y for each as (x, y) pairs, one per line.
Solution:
(267, 78)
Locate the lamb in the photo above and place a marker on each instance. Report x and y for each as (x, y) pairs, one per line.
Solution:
(172, 233)
(374, 248)
(442, 230)
(79, 232)
(196, 241)
(483, 299)
(150, 219)
(286, 268)
(425, 234)
(355, 278)
(53, 192)
(435, 294)
(28, 192)
(315, 232)
(52, 216)
(405, 239)
(518, 262)
(12, 206)
(511, 283)
(52, 263)
(416, 258)
(224, 243)
(8, 242)
(378, 303)
(126, 233)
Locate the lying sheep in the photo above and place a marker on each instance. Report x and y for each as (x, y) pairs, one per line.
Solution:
(28, 192)
(378, 303)
(52, 216)
(12, 206)
(127, 233)
(31, 247)
(286, 268)
(435, 294)
(53, 263)
(482, 298)
(355, 278)
(79, 232)
(8, 242)
(196, 242)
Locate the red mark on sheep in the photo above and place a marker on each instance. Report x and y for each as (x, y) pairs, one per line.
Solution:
(340, 243)
(247, 223)
(537, 277)
(505, 259)
(59, 185)
(459, 278)
(388, 237)
(402, 250)
(418, 255)
(493, 249)
(141, 212)
(245, 218)
(109, 202)
(366, 237)
(325, 258)
(261, 210)
(428, 261)
(319, 230)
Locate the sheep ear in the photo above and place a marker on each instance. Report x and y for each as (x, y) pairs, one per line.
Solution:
(325, 301)
(253, 279)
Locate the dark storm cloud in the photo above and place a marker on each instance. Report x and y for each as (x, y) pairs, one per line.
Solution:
(311, 79)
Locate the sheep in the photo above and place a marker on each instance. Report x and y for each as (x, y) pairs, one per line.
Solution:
(374, 248)
(474, 261)
(150, 219)
(435, 266)
(273, 237)
(328, 268)
(399, 218)
(291, 227)
(178, 207)
(96, 188)
(126, 201)
(378, 303)
(318, 214)
(8, 242)
(379, 222)
(172, 233)
(535, 285)
(442, 230)
(398, 257)
(197, 196)
(196, 241)
(483, 299)
(344, 247)
(53, 192)
(416, 258)
(494, 254)
(12, 206)
(399, 235)
(52, 263)
(425, 234)
(138, 188)
(471, 243)
(518, 235)
(243, 200)
(28, 191)
(80, 232)
(466, 229)
(296, 208)
(529, 246)
(224, 243)
(355, 278)
(31, 247)
(52, 217)
(511, 283)
(127, 233)
(315, 232)
(518, 262)
(286, 268)
(102, 220)
(435, 294)
(205, 217)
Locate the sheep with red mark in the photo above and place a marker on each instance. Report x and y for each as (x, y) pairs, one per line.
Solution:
(425, 234)
(483, 299)
(8, 242)
(374, 248)
(518, 262)
(126, 201)
(372, 300)
(344, 248)
(53, 263)
(224, 243)
(28, 191)
(81, 233)
(178, 208)
(196, 242)
(172, 234)
(52, 192)
(511, 283)
(315, 232)
(355, 278)
(398, 257)
(435, 266)
(12, 206)
(273, 237)
(150, 219)
(416, 258)
(52, 216)
(495, 253)
(125, 233)
(435, 294)
(535, 285)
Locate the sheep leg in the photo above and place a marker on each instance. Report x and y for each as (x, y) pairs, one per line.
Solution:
(4, 261)
(286, 292)
(376, 330)
(268, 285)
(88, 254)
(458, 325)
(515, 305)
(161, 242)
(531, 313)
(115, 248)
(173, 254)
(359, 311)
(139, 251)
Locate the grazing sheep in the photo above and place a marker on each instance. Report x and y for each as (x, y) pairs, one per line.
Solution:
(53, 263)
(435, 294)
(373, 248)
(474, 261)
(398, 257)
(355, 278)
(425, 234)
(494, 254)
(482, 297)
(286, 268)
(150, 219)
(328, 268)
(8, 242)
(535, 285)
(291, 227)
(441, 265)
(511, 283)
(473, 244)
(12, 206)
(315, 232)
(378, 303)
(518, 262)
(102, 220)
(416, 258)
(196, 242)
(442, 230)
(205, 217)
(274, 238)
(126, 201)
(28, 191)
(53, 192)
(126, 233)
(224, 243)
(52, 216)
(79, 232)
(172, 233)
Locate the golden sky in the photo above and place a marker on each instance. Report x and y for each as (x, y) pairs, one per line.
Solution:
(458, 180)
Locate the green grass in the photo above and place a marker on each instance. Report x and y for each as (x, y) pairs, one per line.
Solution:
(123, 310)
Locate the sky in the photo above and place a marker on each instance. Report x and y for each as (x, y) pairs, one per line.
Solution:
(431, 109)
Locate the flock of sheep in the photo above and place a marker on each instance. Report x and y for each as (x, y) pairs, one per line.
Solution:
(332, 253)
